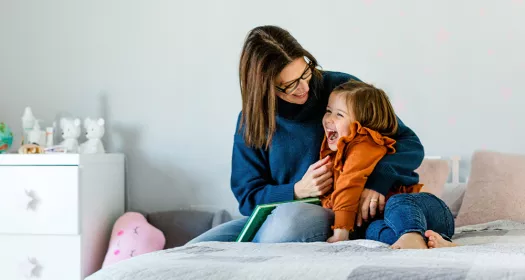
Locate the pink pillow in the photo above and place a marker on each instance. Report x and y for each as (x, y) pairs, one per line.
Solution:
(132, 236)
(495, 190)
(433, 174)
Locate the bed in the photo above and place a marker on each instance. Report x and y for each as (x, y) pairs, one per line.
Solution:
(492, 249)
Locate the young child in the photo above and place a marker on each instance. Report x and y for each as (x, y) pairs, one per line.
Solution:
(358, 124)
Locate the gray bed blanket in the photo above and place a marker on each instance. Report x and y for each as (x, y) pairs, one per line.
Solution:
(489, 251)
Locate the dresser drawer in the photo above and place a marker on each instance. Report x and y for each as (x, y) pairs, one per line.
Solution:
(40, 257)
(39, 199)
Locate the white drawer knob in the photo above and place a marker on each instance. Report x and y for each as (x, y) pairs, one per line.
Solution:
(31, 268)
(32, 200)
(36, 271)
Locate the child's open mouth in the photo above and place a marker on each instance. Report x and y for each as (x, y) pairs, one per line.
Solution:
(331, 136)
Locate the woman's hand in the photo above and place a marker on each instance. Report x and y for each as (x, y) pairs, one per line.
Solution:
(369, 204)
(316, 181)
(339, 235)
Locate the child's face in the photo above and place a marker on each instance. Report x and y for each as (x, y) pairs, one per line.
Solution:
(337, 120)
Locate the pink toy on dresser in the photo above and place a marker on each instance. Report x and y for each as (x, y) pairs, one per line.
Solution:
(132, 235)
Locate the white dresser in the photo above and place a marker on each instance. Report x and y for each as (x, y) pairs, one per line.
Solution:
(57, 212)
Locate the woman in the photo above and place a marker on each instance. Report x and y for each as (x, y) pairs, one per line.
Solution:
(278, 139)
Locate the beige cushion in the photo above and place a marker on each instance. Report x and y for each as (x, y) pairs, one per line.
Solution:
(453, 196)
(433, 173)
(495, 190)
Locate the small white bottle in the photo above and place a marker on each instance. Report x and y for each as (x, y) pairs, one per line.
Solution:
(28, 121)
(35, 136)
(49, 136)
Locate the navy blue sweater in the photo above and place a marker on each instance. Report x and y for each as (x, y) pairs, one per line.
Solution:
(262, 176)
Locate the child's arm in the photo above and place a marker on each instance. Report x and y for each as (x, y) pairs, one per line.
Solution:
(361, 157)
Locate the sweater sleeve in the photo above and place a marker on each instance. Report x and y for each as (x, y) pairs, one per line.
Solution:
(398, 169)
(361, 158)
(250, 180)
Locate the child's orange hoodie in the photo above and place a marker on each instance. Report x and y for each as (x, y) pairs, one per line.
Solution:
(355, 159)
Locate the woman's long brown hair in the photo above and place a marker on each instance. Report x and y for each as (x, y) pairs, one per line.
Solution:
(267, 50)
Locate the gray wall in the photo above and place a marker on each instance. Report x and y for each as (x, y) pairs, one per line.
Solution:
(164, 74)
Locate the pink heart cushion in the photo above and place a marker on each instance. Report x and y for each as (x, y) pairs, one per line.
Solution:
(132, 236)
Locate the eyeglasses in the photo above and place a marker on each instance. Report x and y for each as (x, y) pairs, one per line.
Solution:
(289, 89)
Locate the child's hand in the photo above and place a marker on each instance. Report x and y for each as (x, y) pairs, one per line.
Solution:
(339, 235)
(316, 181)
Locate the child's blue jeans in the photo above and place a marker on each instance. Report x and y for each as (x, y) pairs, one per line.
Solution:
(413, 212)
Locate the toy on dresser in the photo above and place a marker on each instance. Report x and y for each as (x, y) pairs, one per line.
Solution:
(70, 132)
(38, 141)
(94, 132)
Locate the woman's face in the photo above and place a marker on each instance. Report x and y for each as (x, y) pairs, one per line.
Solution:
(293, 80)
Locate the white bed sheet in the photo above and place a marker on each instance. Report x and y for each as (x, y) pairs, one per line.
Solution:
(490, 251)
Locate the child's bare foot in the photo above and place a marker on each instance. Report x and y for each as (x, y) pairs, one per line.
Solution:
(435, 240)
(411, 240)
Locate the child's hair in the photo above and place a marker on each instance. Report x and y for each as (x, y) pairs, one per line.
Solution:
(371, 106)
